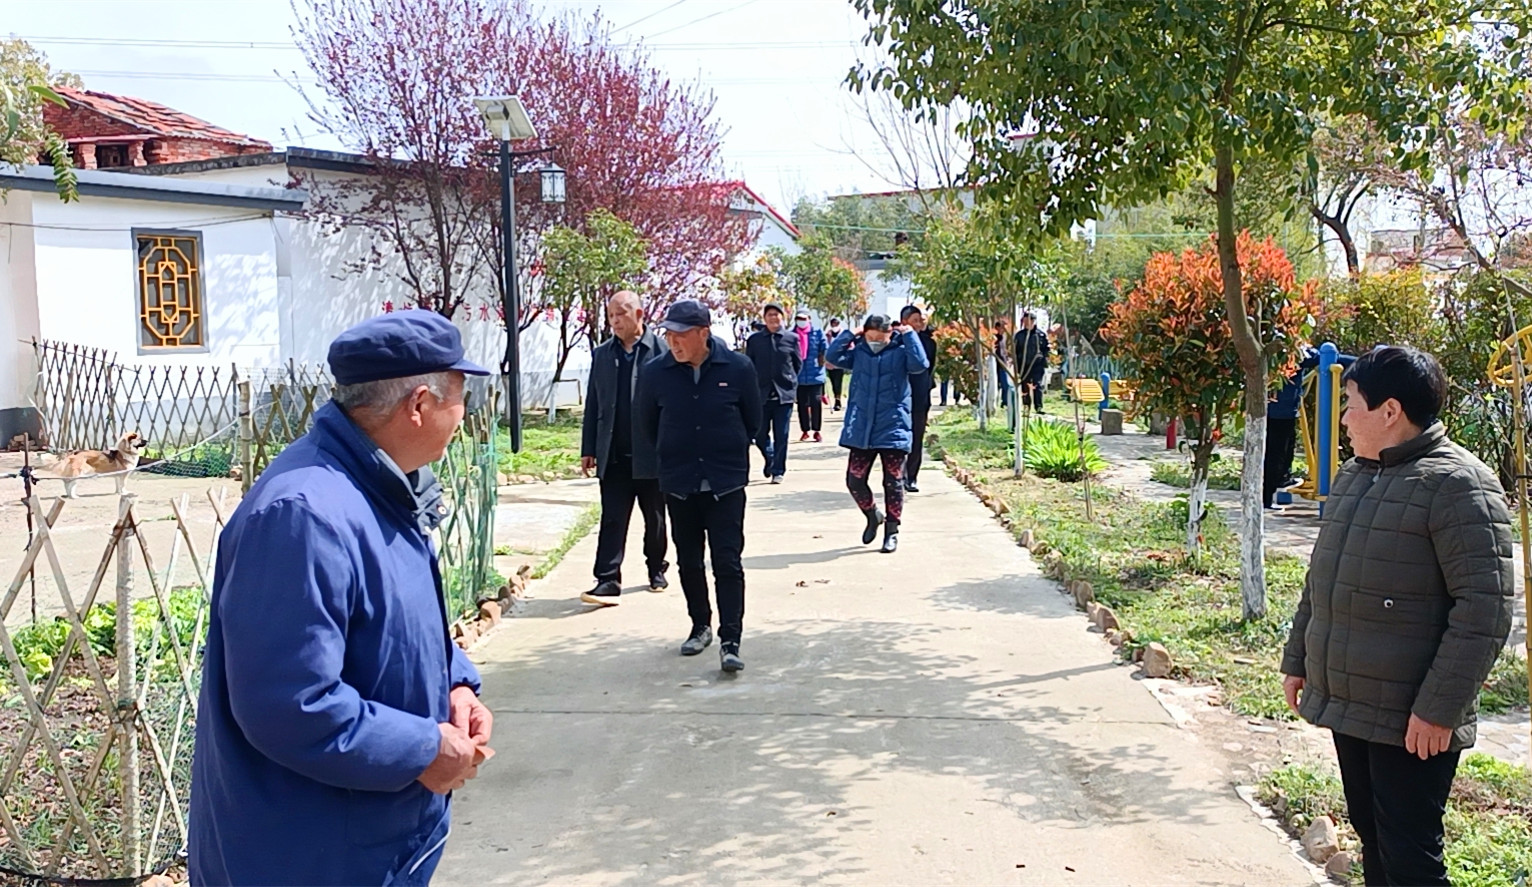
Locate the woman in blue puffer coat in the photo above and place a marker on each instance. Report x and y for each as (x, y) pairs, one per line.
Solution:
(881, 358)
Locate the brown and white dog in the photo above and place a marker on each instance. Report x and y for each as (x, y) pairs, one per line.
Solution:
(87, 463)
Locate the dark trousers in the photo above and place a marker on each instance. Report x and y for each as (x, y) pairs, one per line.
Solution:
(619, 490)
(859, 469)
(1396, 802)
(1281, 443)
(775, 417)
(837, 377)
(946, 383)
(918, 418)
(1032, 387)
(704, 524)
(811, 410)
(1004, 378)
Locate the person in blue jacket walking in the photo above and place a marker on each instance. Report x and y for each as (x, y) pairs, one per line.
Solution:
(811, 376)
(336, 715)
(878, 424)
(1282, 425)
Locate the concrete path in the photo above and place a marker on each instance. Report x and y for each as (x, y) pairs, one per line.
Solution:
(935, 716)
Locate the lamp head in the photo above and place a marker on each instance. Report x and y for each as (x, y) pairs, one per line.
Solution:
(505, 118)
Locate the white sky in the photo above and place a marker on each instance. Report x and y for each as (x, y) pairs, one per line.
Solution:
(776, 67)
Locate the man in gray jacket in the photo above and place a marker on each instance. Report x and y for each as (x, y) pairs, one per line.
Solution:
(1405, 608)
(625, 461)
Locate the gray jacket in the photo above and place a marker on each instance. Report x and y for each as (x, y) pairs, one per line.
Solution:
(1408, 598)
(601, 404)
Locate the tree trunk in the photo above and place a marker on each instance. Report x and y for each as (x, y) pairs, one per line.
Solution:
(981, 396)
(1196, 501)
(1342, 233)
(1252, 560)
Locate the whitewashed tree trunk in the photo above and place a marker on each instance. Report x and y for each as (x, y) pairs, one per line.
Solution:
(1252, 529)
(1196, 504)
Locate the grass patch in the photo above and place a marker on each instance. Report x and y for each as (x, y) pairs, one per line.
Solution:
(1488, 822)
(1223, 474)
(1506, 687)
(1133, 554)
(577, 531)
(548, 451)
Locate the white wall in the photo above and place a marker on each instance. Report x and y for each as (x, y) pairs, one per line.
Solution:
(85, 258)
(18, 304)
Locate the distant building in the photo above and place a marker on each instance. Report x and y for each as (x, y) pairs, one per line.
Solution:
(107, 131)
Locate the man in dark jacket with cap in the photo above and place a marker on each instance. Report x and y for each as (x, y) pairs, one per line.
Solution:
(336, 715)
(624, 461)
(1405, 608)
(774, 352)
(701, 406)
(920, 394)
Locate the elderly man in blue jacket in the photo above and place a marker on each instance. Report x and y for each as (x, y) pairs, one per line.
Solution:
(336, 714)
(882, 358)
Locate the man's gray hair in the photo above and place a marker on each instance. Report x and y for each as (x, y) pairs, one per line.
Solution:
(384, 395)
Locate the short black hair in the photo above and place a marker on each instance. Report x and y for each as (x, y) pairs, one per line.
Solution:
(1408, 375)
(907, 310)
(875, 322)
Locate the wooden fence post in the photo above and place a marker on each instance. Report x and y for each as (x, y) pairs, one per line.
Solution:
(246, 434)
(127, 689)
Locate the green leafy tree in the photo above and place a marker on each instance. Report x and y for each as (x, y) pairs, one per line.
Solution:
(856, 225)
(26, 86)
(1130, 100)
(817, 278)
(584, 270)
(749, 286)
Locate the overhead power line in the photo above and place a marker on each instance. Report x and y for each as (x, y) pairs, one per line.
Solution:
(269, 45)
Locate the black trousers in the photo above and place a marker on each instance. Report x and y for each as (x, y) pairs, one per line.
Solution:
(918, 418)
(1033, 387)
(619, 490)
(1281, 444)
(811, 410)
(837, 378)
(1396, 802)
(704, 525)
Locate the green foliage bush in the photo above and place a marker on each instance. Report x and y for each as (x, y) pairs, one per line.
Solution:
(38, 645)
(1054, 449)
(1506, 687)
(1224, 474)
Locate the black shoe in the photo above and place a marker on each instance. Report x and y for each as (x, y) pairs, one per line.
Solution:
(837, 406)
(605, 594)
(658, 582)
(909, 487)
(728, 658)
(890, 536)
(701, 639)
(874, 520)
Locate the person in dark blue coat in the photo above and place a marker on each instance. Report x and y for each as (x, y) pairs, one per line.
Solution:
(774, 352)
(336, 715)
(701, 406)
(878, 425)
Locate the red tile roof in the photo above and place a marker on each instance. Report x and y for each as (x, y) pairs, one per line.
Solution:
(156, 118)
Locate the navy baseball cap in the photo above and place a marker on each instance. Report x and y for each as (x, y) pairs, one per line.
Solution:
(404, 343)
(686, 314)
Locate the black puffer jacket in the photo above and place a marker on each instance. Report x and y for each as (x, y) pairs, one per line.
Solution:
(1409, 594)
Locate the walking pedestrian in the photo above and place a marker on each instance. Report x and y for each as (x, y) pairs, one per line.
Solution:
(701, 405)
(920, 395)
(811, 375)
(336, 716)
(882, 359)
(1003, 359)
(1031, 361)
(1407, 604)
(624, 461)
(774, 351)
(835, 374)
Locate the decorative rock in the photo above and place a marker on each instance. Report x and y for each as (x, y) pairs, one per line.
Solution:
(1111, 422)
(1091, 609)
(1157, 662)
(1001, 508)
(1321, 841)
(505, 594)
(1083, 593)
(489, 611)
(1339, 864)
(1114, 638)
(1027, 538)
(1105, 619)
(469, 634)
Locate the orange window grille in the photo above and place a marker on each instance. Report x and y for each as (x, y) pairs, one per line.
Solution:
(169, 291)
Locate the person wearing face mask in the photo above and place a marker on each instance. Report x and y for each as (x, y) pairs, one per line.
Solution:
(878, 425)
(811, 375)
(835, 374)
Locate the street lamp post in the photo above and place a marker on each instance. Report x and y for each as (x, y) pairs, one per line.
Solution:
(507, 120)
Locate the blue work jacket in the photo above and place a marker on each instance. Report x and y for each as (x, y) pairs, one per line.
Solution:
(328, 667)
(878, 405)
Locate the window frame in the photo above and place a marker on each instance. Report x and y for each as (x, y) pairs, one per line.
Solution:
(139, 304)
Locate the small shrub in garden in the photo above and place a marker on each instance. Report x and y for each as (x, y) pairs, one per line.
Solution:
(1506, 687)
(1053, 449)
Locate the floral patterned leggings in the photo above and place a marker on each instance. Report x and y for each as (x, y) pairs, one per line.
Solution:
(859, 468)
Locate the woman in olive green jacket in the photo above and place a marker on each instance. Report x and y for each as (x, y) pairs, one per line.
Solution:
(1407, 604)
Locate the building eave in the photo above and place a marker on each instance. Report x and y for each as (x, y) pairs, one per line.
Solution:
(190, 167)
(128, 186)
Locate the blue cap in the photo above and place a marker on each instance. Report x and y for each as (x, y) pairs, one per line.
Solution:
(404, 343)
(685, 315)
